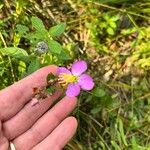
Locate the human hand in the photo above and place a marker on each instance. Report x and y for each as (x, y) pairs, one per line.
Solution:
(33, 127)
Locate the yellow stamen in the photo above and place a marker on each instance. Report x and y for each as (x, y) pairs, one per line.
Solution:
(64, 79)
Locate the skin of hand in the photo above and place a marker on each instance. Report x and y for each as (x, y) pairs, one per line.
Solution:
(45, 126)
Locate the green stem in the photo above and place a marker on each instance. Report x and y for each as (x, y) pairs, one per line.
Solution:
(9, 59)
(4, 43)
(100, 137)
(121, 10)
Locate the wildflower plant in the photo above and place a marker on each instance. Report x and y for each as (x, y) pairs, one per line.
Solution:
(43, 46)
(44, 50)
(72, 81)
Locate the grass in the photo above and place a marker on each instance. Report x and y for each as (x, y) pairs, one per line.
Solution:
(113, 37)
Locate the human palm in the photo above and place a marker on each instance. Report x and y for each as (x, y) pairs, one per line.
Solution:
(35, 127)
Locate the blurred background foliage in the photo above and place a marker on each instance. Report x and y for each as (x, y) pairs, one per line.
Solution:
(113, 36)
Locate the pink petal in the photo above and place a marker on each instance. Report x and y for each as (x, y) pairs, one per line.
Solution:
(79, 67)
(62, 70)
(86, 82)
(73, 90)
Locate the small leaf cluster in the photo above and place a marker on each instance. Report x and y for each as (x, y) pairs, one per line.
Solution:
(100, 99)
(102, 28)
(40, 33)
(44, 48)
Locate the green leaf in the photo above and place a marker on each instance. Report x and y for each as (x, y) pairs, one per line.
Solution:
(129, 31)
(38, 24)
(1, 6)
(54, 47)
(21, 67)
(15, 52)
(113, 25)
(115, 145)
(135, 145)
(22, 29)
(57, 30)
(113, 1)
(114, 18)
(146, 10)
(51, 89)
(106, 17)
(96, 110)
(103, 24)
(110, 31)
(50, 76)
(36, 37)
(122, 131)
(64, 55)
(33, 66)
(99, 92)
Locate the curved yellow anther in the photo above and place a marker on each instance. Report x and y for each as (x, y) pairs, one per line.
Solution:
(64, 79)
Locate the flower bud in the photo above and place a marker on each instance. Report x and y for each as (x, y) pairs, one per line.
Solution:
(41, 48)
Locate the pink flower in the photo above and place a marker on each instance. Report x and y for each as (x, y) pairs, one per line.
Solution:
(76, 79)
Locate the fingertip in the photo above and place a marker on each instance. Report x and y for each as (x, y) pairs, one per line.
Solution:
(72, 121)
(53, 68)
(71, 98)
(48, 69)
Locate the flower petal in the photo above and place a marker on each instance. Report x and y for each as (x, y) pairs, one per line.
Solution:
(86, 82)
(79, 67)
(62, 70)
(73, 90)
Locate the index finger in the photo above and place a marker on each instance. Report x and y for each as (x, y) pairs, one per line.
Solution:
(14, 97)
